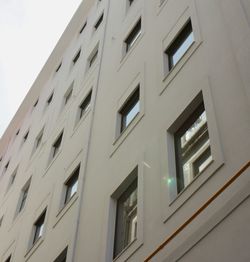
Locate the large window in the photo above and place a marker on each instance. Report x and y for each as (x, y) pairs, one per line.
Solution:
(133, 36)
(130, 109)
(126, 218)
(180, 45)
(39, 227)
(71, 185)
(192, 147)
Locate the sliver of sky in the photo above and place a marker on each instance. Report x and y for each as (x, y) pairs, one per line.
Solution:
(29, 31)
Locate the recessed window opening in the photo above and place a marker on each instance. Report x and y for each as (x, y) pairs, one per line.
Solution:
(63, 256)
(130, 2)
(26, 136)
(13, 178)
(24, 195)
(85, 104)
(192, 147)
(133, 35)
(93, 58)
(1, 221)
(130, 109)
(49, 100)
(99, 21)
(126, 219)
(6, 166)
(68, 96)
(83, 27)
(180, 45)
(35, 104)
(39, 139)
(58, 68)
(76, 56)
(56, 145)
(17, 132)
(8, 259)
(71, 185)
(39, 227)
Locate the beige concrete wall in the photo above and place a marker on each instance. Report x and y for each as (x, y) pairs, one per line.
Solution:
(217, 65)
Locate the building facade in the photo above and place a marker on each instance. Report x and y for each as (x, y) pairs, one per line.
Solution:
(133, 142)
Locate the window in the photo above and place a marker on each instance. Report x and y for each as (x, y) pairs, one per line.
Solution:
(24, 194)
(56, 145)
(12, 178)
(180, 45)
(49, 100)
(99, 21)
(130, 109)
(76, 57)
(1, 221)
(192, 147)
(58, 68)
(130, 2)
(39, 139)
(83, 27)
(71, 185)
(133, 36)
(93, 57)
(85, 104)
(17, 132)
(6, 166)
(126, 218)
(35, 104)
(8, 259)
(39, 227)
(63, 256)
(25, 136)
(68, 94)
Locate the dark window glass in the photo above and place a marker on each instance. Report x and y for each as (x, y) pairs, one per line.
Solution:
(62, 257)
(58, 68)
(76, 56)
(24, 195)
(39, 227)
(57, 144)
(93, 58)
(180, 45)
(50, 98)
(130, 109)
(192, 147)
(133, 36)
(85, 104)
(83, 27)
(35, 104)
(26, 136)
(8, 259)
(126, 218)
(98, 22)
(71, 185)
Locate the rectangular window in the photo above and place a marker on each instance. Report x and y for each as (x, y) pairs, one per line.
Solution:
(26, 136)
(85, 104)
(76, 57)
(8, 259)
(49, 100)
(63, 256)
(133, 35)
(56, 145)
(24, 195)
(83, 27)
(130, 109)
(99, 21)
(71, 185)
(93, 57)
(39, 139)
(58, 68)
(39, 227)
(180, 45)
(126, 218)
(192, 147)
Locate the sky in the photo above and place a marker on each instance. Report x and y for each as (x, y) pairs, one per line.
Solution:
(29, 31)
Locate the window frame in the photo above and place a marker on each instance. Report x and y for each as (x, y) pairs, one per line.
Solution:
(38, 226)
(172, 200)
(136, 171)
(85, 105)
(56, 148)
(76, 56)
(133, 36)
(69, 184)
(62, 257)
(23, 197)
(99, 22)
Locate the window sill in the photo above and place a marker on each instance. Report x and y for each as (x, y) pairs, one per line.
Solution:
(34, 247)
(65, 209)
(120, 139)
